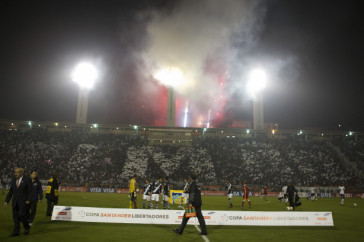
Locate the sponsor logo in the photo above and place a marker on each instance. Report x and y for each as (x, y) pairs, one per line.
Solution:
(109, 190)
(327, 214)
(176, 198)
(322, 219)
(81, 214)
(211, 213)
(133, 216)
(61, 213)
(95, 189)
(67, 209)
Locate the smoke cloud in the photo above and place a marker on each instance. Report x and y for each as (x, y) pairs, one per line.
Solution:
(210, 42)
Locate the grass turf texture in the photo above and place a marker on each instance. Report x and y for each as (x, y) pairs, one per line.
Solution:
(348, 221)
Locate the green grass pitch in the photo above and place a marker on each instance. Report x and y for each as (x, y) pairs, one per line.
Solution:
(348, 220)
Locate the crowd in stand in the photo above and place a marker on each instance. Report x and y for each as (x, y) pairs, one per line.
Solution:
(353, 148)
(110, 160)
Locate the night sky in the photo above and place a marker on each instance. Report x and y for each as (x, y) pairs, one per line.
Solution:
(315, 47)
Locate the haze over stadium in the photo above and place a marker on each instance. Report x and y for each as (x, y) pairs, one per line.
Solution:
(313, 64)
(112, 106)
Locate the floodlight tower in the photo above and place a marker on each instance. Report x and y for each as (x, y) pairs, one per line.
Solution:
(171, 77)
(256, 84)
(85, 75)
(171, 107)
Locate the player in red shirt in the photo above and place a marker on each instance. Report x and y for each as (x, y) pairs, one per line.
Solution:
(265, 192)
(246, 196)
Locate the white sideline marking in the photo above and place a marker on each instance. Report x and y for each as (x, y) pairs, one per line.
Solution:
(203, 236)
(199, 230)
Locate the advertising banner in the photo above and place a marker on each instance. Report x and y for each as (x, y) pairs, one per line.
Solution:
(103, 190)
(347, 195)
(72, 189)
(122, 190)
(270, 194)
(148, 216)
(175, 197)
(213, 193)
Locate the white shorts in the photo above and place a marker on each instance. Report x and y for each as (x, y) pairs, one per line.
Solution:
(230, 195)
(186, 195)
(165, 198)
(146, 197)
(155, 197)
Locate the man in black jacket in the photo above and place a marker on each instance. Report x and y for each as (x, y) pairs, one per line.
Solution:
(194, 200)
(291, 190)
(36, 192)
(20, 191)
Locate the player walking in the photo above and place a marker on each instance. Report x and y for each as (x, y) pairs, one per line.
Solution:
(147, 192)
(341, 190)
(185, 192)
(157, 187)
(229, 192)
(246, 196)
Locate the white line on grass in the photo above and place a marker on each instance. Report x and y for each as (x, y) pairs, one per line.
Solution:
(203, 236)
(199, 230)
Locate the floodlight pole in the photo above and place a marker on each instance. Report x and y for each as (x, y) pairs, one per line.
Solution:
(171, 107)
(82, 106)
(258, 118)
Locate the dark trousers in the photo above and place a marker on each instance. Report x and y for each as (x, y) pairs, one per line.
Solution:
(32, 209)
(200, 218)
(50, 205)
(19, 215)
(291, 200)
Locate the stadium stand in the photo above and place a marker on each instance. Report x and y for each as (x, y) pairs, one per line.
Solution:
(109, 160)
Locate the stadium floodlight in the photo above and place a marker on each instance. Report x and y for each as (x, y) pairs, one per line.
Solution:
(257, 82)
(85, 75)
(170, 76)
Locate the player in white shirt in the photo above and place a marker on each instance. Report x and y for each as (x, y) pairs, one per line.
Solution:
(185, 192)
(284, 190)
(341, 190)
(229, 192)
(313, 193)
(147, 192)
(280, 197)
(156, 190)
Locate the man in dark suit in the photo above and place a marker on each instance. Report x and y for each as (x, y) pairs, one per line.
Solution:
(194, 192)
(20, 191)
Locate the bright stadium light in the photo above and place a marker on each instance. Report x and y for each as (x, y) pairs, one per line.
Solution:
(257, 82)
(170, 76)
(85, 75)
